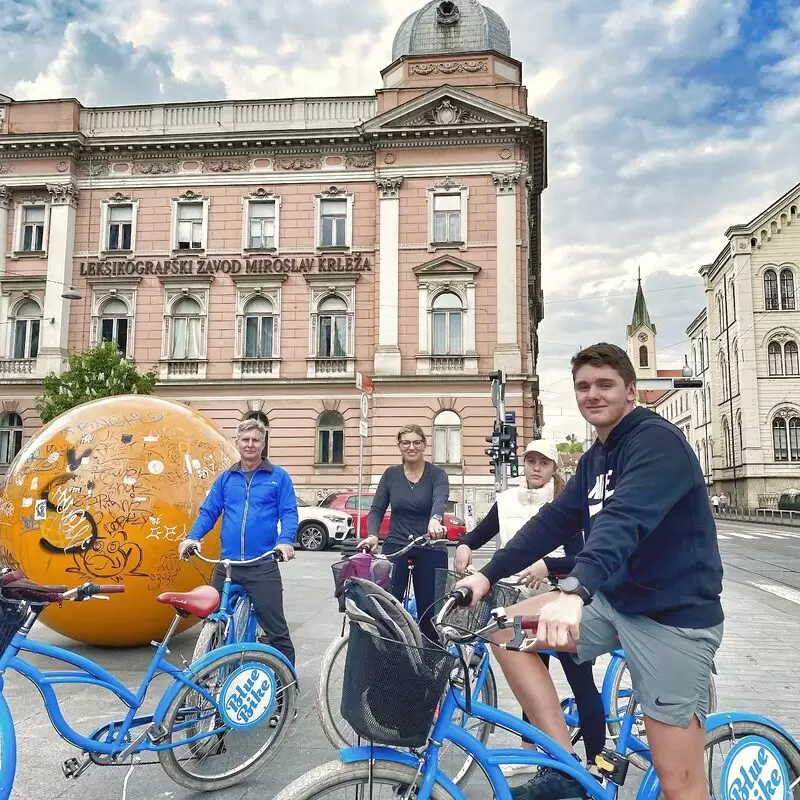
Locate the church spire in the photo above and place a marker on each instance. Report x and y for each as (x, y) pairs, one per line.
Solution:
(641, 316)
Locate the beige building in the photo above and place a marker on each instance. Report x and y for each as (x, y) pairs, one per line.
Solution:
(260, 253)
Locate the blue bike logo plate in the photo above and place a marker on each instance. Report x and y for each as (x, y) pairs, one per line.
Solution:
(248, 696)
(755, 770)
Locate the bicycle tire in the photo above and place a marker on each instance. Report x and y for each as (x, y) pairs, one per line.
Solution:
(8, 750)
(336, 775)
(339, 733)
(731, 731)
(614, 727)
(212, 636)
(174, 766)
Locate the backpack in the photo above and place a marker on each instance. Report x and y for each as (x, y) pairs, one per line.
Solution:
(362, 565)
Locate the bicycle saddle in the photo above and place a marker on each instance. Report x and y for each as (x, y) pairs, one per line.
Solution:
(200, 602)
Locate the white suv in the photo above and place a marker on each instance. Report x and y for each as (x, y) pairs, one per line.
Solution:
(319, 528)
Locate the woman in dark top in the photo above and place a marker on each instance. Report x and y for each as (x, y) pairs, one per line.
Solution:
(513, 508)
(417, 492)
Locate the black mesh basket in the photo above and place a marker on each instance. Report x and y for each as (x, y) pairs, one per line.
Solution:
(11, 619)
(377, 570)
(391, 690)
(472, 619)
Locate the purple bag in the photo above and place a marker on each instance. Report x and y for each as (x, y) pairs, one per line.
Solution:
(361, 565)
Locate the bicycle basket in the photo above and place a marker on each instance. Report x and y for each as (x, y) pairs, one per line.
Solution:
(11, 619)
(360, 565)
(391, 690)
(472, 619)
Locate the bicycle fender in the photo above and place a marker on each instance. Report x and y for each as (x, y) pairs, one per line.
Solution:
(8, 750)
(650, 787)
(213, 655)
(352, 755)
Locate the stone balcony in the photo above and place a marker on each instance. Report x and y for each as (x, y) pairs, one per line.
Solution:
(227, 116)
(182, 369)
(256, 368)
(13, 369)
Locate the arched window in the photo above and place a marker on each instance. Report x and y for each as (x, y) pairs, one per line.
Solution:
(780, 439)
(694, 358)
(259, 328)
(332, 328)
(10, 437)
(739, 439)
(703, 406)
(726, 436)
(724, 377)
(787, 290)
(771, 299)
(794, 438)
(696, 409)
(114, 323)
(791, 364)
(775, 358)
(733, 301)
(330, 438)
(27, 325)
(186, 329)
(262, 418)
(447, 438)
(702, 355)
(448, 324)
(735, 368)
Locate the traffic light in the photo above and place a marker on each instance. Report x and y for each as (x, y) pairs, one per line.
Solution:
(493, 452)
(510, 433)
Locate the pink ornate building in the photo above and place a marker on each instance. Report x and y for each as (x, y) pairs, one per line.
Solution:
(259, 253)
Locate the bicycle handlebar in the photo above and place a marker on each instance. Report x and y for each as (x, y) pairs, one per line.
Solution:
(24, 589)
(419, 541)
(194, 551)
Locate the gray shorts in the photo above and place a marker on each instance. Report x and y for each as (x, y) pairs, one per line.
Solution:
(670, 667)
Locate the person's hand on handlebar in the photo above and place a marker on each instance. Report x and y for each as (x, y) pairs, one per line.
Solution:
(368, 545)
(188, 546)
(478, 584)
(286, 550)
(436, 529)
(463, 559)
(535, 575)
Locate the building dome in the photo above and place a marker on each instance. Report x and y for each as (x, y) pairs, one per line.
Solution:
(442, 26)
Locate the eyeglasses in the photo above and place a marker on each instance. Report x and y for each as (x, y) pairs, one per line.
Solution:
(408, 445)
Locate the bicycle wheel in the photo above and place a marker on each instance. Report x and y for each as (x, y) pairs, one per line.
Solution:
(453, 761)
(618, 703)
(212, 636)
(338, 781)
(228, 755)
(721, 739)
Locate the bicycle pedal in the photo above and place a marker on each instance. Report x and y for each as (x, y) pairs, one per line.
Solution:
(612, 766)
(72, 768)
(157, 733)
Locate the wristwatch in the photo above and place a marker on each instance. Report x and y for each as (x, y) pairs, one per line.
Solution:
(437, 516)
(573, 586)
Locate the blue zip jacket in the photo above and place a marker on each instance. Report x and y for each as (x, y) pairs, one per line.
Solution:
(651, 542)
(249, 516)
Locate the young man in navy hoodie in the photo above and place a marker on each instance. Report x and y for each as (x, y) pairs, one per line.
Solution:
(649, 578)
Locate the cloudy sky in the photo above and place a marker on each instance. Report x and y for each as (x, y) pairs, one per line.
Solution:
(669, 120)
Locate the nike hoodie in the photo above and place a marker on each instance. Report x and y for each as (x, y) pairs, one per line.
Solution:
(651, 542)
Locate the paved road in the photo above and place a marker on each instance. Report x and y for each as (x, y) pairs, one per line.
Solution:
(757, 670)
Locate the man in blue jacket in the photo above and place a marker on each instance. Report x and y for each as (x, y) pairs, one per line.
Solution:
(253, 496)
(649, 578)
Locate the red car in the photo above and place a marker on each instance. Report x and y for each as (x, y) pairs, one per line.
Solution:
(348, 503)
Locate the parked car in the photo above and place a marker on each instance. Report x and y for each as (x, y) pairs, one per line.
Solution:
(348, 502)
(320, 528)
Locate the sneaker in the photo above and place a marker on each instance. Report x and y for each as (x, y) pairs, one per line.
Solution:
(515, 770)
(549, 784)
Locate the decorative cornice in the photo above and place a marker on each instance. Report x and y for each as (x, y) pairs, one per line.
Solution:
(63, 194)
(298, 163)
(447, 183)
(228, 165)
(359, 161)
(506, 182)
(333, 191)
(5, 197)
(389, 187)
(190, 195)
(261, 194)
(119, 197)
(154, 167)
(449, 67)
(5, 169)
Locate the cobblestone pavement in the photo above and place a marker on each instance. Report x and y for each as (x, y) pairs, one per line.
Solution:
(756, 665)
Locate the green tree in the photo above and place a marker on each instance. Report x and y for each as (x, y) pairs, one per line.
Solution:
(98, 372)
(571, 445)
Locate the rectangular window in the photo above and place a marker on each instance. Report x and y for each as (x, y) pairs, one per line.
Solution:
(780, 442)
(258, 337)
(120, 225)
(447, 333)
(10, 445)
(333, 223)
(26, 338)
(447, 218)
(33, 229)
(332, 339)
(115, 329)
(190, 226)
(447, 445)
(261, 233)
(331, 447)
(185, 338)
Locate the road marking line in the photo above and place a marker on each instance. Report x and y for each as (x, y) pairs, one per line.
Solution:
(722, 536)
(779, 591)
(741, 535)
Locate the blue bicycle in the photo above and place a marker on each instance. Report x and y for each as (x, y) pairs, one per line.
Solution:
(209, 729)
(763, 759)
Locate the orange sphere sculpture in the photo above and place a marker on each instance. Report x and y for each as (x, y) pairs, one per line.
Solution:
(104, 493)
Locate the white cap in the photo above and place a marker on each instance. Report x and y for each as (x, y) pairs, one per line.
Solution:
(545, 447)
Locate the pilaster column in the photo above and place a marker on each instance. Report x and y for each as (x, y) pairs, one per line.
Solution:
(507, 354)
(5, 205)
(387, 354)
(60, 246)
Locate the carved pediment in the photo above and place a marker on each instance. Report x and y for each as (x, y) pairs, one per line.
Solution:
(448, 106)
(445, 267)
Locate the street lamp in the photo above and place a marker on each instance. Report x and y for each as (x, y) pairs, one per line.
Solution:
(686, 370)
(71, 294)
